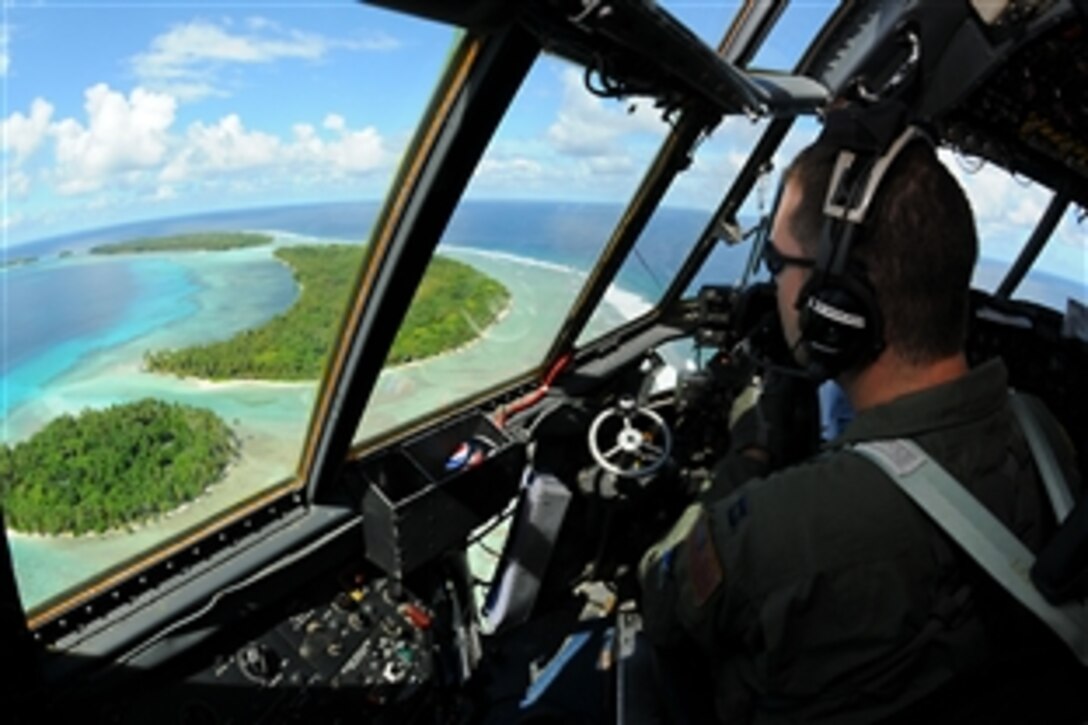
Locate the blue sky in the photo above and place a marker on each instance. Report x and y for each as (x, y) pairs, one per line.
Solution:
(132, 110)
(122, 111)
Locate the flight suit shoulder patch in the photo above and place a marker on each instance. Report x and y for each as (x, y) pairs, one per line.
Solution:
(704, 565)
(737, 512)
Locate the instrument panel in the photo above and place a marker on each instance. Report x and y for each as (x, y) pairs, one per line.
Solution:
(360, 647)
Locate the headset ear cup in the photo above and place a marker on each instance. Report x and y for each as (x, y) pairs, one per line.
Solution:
(840, 325)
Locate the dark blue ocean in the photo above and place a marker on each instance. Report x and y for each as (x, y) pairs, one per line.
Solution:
(60, 309)
(69, 304)
(567, 233)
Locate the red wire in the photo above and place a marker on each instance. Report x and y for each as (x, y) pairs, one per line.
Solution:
(535, 396)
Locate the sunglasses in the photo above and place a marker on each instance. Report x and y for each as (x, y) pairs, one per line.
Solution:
(775, 261)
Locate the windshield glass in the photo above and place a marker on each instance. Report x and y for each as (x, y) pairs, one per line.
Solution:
(791, 35)
(1007, 209)
(677, 224)
(188, 193)
(708, 20)
(539, 209)
(1060, 273)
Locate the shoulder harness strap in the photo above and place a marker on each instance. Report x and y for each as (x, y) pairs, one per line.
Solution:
(1057, 488)
(985, 538)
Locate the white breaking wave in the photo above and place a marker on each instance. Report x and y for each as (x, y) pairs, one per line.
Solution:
(510, 257)
(627, 303)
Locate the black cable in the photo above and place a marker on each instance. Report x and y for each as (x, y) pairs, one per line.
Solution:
(489, 549)
(649, 270)
(478, 536)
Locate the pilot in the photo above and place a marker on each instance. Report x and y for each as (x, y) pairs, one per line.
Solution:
(816, 590)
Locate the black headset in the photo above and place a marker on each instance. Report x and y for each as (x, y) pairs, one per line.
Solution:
(840, 321)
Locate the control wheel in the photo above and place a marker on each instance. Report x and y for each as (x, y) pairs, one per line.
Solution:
(630, 441)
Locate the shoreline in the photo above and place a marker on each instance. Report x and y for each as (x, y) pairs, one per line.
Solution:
(459, 348)
(214, 385)
(270, 418)
(126, 529)
(97, 359)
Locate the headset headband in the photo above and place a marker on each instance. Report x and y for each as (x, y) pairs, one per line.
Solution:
(854, 206)
(841, 322)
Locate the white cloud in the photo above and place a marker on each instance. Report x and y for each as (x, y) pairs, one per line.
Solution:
(164, 193)
(228, 147)
(505, 173)
(100, 203)
(23, 135)
(307, 142)
(999, 200)
(589, 126)
(222, 147)
(17, 184)
(1027, 211)
(374, 42)
(718, 161)
(122, 135)
(128, 149)
(348, 151)
(186, 60)
(334, 122)
(1072, 230)
(611, 165)
(187, 45)
(260, 23)
(11, 220)
(357, 151)
(508, 170)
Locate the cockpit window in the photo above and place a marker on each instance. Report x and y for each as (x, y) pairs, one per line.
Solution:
(707, 20)
(686, 212)
(726, 264)
(538, 211)
(188, 194)
(1007, 209)
(792, 34)
(1061, 272)
(678, 223)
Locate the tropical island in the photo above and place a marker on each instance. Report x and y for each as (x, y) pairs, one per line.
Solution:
(105, 469)
(17, 262)
(199, 242)
(452, 305)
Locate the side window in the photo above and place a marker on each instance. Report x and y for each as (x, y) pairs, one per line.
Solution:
(1007, 209)
(1060, 273)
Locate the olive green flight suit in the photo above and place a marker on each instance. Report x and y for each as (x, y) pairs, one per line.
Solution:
(822, 593)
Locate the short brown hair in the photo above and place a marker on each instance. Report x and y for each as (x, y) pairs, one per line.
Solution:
(918, 246)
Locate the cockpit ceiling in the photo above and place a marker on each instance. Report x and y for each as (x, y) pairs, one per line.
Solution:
(1031, 116)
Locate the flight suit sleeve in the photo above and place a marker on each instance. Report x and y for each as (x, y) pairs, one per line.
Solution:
(682, 581)
(733, 470)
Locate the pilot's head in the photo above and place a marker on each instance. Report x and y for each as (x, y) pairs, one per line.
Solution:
(917, 250)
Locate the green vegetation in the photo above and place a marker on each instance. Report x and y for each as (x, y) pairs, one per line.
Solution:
(206, 241)
(451, 306)
(17, 261)
(108, 468)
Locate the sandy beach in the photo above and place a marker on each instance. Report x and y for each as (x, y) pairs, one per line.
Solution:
(271, 418)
